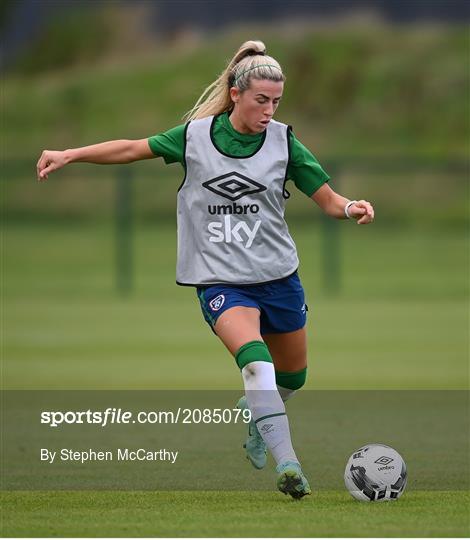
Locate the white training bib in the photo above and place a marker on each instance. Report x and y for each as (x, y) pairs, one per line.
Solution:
(231, 226)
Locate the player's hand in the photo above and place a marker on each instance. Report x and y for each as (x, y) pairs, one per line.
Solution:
(50, 160)
(362, 211)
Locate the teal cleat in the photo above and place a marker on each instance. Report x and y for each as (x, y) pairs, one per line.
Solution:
(291, 480)
(254, 445)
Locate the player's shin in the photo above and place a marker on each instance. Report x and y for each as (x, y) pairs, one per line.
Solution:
(268, 410)
(264, 401)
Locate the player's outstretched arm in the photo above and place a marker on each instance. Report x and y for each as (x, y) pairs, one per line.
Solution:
(121, 151)
(334, 205)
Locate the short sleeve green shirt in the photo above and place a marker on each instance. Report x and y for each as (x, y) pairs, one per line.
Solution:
(303, 168)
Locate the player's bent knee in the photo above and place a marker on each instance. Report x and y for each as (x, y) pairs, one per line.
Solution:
(253, 351)
(293, 380)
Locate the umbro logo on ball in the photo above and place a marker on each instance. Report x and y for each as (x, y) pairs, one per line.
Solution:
(384, 460)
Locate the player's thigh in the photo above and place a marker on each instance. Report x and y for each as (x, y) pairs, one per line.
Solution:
(288, 350)
(237, 326)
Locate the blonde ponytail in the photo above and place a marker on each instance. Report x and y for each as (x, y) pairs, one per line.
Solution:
(250, 61)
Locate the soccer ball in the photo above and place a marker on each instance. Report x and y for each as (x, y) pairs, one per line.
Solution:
(375, 472)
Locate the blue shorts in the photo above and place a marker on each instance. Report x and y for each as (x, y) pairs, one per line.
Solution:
(281, 303)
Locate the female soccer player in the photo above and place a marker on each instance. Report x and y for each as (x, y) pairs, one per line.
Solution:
(233, 242)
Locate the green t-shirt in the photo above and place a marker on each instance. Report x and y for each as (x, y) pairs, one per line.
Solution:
(303, 168)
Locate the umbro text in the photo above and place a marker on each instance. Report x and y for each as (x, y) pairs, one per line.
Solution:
(238, 209)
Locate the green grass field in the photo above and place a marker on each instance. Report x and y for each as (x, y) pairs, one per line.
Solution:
(400, 319)
(245, 514)
(399, 322)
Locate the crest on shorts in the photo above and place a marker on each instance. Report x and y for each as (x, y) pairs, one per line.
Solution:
(217, 302)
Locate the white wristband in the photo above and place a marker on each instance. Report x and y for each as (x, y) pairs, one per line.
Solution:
(346, 208)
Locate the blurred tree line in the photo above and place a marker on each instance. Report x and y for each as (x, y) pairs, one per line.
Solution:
(384, 106)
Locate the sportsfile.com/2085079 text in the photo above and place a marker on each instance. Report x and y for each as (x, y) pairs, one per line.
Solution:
(113, 415)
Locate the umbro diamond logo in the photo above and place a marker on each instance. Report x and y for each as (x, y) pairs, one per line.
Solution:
(267, 428)
(233, 186)
(384, 460)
